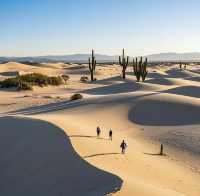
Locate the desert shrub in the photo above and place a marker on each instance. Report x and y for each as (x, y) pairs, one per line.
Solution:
(55, 81)
(24, 86)
(41, 80)
(65, 78)
(25, 82)
(76, 96)
(35, 79)
(15, 82)
(84, 79)
(10, 82)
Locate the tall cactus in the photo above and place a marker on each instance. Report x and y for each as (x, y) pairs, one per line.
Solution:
(92, 65)
(140, 69)
(123, 61)
(180, 65)
(136, 69)
(144, 69)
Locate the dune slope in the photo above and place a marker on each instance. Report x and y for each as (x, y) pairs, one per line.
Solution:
(39, 160)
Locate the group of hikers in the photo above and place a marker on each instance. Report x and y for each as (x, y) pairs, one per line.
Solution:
(123, 144)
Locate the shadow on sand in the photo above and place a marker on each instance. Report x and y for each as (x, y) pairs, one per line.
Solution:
(37, 158)
(124, 87)
(89, 136)
(101, 154)
(175, 113)
(155, 154)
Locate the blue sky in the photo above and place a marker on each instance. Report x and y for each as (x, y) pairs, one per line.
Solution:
(41, 27)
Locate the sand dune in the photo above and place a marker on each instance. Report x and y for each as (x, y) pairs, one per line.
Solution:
(14, 68)
(175, 112)
(45, 162)
(165, 109)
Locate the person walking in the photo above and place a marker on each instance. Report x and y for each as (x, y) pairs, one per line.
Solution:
(161, 149)
(98, 131)
(123, 147)
(110, 134)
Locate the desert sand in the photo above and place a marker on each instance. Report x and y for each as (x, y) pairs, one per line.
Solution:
(48, 143)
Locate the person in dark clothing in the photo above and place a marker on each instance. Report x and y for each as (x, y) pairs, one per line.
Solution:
(98, 131)
(123, 146)
(110, 134)
(161, 149)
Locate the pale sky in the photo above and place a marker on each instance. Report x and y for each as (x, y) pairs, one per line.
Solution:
(48, 27)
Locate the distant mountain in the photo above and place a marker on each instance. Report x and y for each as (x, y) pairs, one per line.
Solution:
(195, 56)
(62, 58)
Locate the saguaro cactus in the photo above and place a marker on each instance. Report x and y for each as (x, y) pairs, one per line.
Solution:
(144, 69)
(123, 61)
(92, 65)
(140, 69)
(180, 65)
(136, 69)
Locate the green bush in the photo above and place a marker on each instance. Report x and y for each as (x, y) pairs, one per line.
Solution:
(25, 82)
(76, 96)
(55, 81)
(10, 82)
(35, 79)
(25, 86)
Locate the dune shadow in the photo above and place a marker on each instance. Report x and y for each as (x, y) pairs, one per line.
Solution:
(69, 105)
(164, 113)
(109, 80)
(123, 87)
(77, 67)
(192, 91)
(177, 73)
(101, 154)
(156, 75)
(195, 79)
(37, 158)
(160, 81)
(48, 107)
(10, 73)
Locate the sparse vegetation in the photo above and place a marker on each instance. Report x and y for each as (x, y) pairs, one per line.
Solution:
(24, 86)
(123, 61)
(65, 78)
(92, 65)
(140, 69)
(25, 82)
(76, 96)
(84, 79)
(10, 82)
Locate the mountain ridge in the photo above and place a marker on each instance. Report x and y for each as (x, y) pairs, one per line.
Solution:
(167, 56)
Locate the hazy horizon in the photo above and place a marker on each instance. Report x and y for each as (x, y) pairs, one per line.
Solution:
(89, 53)
(40, 28)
